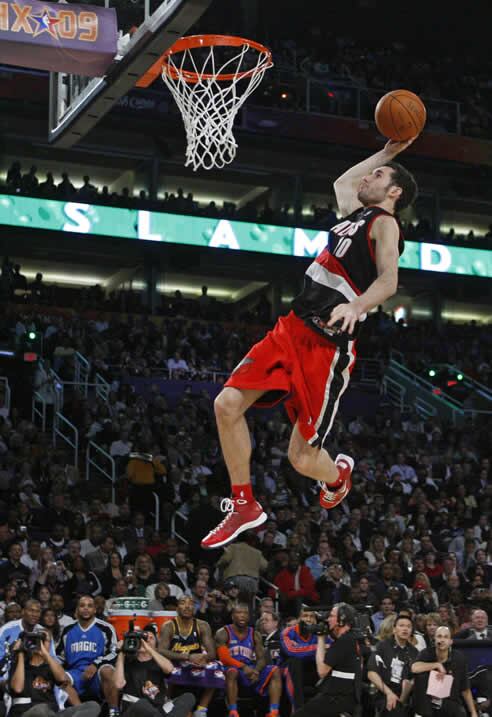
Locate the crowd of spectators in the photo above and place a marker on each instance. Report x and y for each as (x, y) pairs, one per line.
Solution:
(414, 533)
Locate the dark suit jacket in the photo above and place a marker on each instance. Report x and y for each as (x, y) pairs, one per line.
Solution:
(469, 634)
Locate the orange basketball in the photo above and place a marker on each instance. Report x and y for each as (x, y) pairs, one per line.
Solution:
(400, 115)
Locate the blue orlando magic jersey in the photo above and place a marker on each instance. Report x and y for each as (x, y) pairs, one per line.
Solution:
(81, 647)
(242, 649)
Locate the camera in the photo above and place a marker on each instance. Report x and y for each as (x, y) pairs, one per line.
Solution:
(320, 627)
(31, 641)
(132, 640)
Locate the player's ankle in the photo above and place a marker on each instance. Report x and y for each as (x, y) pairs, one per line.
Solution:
(243, 492)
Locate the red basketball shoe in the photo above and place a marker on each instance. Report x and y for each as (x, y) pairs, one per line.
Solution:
(241, 515)
(330, 497)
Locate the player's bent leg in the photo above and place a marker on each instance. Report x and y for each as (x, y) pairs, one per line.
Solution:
(108, 687)
(243, 511)
(232, 692)
(315, 463)
(275, 693)
(335, 477)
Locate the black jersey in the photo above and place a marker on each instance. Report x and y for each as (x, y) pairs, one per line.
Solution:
(39, 687)
(344, 270)
(189, 643)
(144, 680)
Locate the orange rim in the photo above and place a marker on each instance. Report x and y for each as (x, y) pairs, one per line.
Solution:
(195, 41)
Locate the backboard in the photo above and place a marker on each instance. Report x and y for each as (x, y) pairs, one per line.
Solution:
(78, 103)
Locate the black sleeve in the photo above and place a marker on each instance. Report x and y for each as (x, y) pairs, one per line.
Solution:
(426, 655)
(376, 661)
(463, 673)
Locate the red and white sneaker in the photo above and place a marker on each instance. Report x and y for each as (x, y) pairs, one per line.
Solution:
(329, 497)
(241, 515)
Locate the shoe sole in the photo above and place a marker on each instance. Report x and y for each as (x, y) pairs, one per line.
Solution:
(247, 526)
(347, 459)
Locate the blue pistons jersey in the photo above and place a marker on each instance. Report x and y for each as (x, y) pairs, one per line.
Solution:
(241, 648)
(81, 647)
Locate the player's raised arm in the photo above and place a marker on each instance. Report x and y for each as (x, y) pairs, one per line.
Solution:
(347, 185)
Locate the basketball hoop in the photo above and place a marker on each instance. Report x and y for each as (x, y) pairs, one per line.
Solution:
(210, 77)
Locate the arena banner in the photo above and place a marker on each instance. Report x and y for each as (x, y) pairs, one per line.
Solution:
(82, 218)
(78, 39)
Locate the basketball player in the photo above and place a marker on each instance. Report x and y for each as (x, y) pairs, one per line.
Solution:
(240, 649)
(309, 355)
(188, 643)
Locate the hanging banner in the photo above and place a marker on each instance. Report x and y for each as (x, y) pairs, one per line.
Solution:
(61, 37)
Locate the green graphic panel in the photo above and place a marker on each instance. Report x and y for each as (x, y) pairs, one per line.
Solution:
(82, 218)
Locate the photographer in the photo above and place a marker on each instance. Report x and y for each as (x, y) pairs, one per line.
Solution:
(389, 668)
(140, 672)
(339, 667)
(445, 661)
(35, 674)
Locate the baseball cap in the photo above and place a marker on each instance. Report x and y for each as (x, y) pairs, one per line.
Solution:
(151, 627)
(230, 584)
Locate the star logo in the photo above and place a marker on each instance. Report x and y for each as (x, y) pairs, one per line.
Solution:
(45, 23)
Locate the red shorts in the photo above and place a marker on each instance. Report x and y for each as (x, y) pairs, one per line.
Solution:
(295, 363)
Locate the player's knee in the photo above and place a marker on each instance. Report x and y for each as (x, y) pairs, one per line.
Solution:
(228, 405)
(299, 460)
(231, 676)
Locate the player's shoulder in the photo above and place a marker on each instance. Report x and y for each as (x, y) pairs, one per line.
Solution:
(103, 625)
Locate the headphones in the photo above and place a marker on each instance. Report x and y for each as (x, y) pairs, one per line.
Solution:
(346, 615)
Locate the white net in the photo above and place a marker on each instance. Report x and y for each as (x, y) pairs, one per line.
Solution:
(210, 102)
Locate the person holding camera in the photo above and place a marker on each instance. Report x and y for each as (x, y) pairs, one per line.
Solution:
(188, 644)
(441, 671)
(141, 676)
(88, 650)
(339, 667)
(389, 669)
(34, 677)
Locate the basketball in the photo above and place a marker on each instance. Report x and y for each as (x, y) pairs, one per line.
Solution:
(400, 115)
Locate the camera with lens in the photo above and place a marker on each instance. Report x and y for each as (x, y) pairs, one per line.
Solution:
(31, 641)
(320, 627)
(132, 640)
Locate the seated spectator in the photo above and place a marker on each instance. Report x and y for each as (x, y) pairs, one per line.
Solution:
(479, 628)
(298, 650)
(50, 623)
(13, 570)
(27, 622)
(445, 661)
(87, 649)
(330, 585)
(387, 608)
(187, 642)
(389, 668)
(240, 649)
(99, 560)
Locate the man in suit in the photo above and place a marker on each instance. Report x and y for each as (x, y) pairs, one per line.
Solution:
(479, 629)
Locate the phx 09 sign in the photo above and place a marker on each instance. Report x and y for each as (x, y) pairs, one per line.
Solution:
(78, 39)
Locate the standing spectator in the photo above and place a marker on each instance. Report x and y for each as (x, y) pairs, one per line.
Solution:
(296, 585)
(242, 563)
